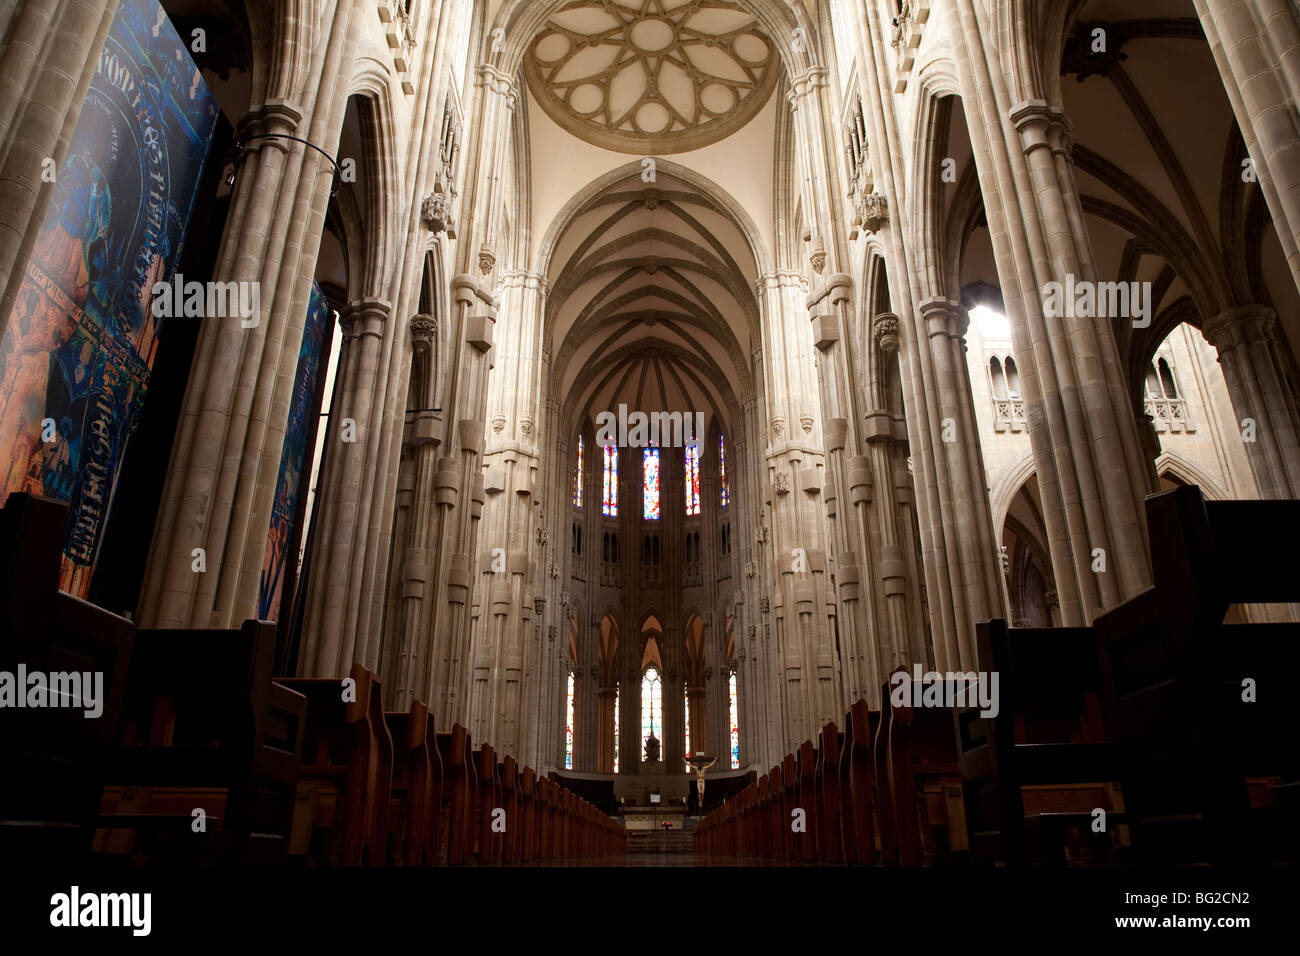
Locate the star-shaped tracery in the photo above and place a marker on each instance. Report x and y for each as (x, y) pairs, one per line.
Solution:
(656, 77)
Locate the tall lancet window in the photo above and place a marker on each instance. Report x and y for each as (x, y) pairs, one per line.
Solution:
(735, 723)
(722, 471)
(692, 479)
(577, 482)
(609, 500)
(650, 483)
(652, 707)
(688, 731)
(568, 729)
(616, 730)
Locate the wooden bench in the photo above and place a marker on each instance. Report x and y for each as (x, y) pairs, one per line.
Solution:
(924, 783)
(346, 775)
(459, 794)
(806, 800)
(858, 784)
(1192, 750)
(830, 842)
(512, 841)
(203, 728)
(1043, 764)
(488, 844)
(528, 812)
(52, 760)
(416, 799)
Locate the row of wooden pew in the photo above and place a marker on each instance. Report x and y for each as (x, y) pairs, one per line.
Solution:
(201, 755)
(1161, 734)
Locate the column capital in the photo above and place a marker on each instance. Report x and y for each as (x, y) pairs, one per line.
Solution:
(365, 317)
(1242, 325)
(276, 115)
(1042, 125)
(780, 279)
(809, 81)
(498, 82)
(944, 317)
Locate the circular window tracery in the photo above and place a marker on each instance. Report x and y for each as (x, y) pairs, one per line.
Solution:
(651, 76)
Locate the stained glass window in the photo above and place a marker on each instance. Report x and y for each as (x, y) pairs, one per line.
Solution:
(722, 470)
(568, 729)
(616, 730)
(688, 731)
(609, 503)
(692, 479)
(735, 724)
(652, 706)
(577, 484)
(651, 484)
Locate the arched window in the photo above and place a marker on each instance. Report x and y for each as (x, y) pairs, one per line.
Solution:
(650, 484)
(692, 458)
(609, 500)
(1153, 381)
(1167, 379)
(568, 729)
(652, 706)
(577, 482)
(1013, 378)
(735, 723)
(997, 378)
(722, 471)
(687, 698)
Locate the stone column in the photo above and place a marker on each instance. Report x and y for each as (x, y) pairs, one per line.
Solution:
(1087, 454)
(957, 542)
(225, 462)
(45, 70)
(605, 729)
(1256, 44)
(1248, 349)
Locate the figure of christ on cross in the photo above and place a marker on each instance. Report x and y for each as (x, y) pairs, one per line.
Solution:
(698, 764)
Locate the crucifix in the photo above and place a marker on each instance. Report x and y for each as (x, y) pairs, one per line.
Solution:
(700, 763)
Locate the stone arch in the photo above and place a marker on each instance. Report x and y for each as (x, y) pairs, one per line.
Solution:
(1008, 487)
(1187, 472)
(581, 200)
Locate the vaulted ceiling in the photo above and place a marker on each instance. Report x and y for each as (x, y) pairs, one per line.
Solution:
(651, 304)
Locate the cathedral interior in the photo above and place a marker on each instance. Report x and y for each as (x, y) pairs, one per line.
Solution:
(511, 431)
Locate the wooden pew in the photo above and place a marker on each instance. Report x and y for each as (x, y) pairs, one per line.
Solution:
(858, 779)
(528, 811)
(459, 793)
(1043, 764)
(488, 847)
(1172, 672)
(56, 754)
(512, 841)
(830, 841)
(922, 762)
(886, 819)
(346, 774)
(417, 789)
(203, 727)
(545, 820)
(789, 801)
(806, 800)
(779, 820)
